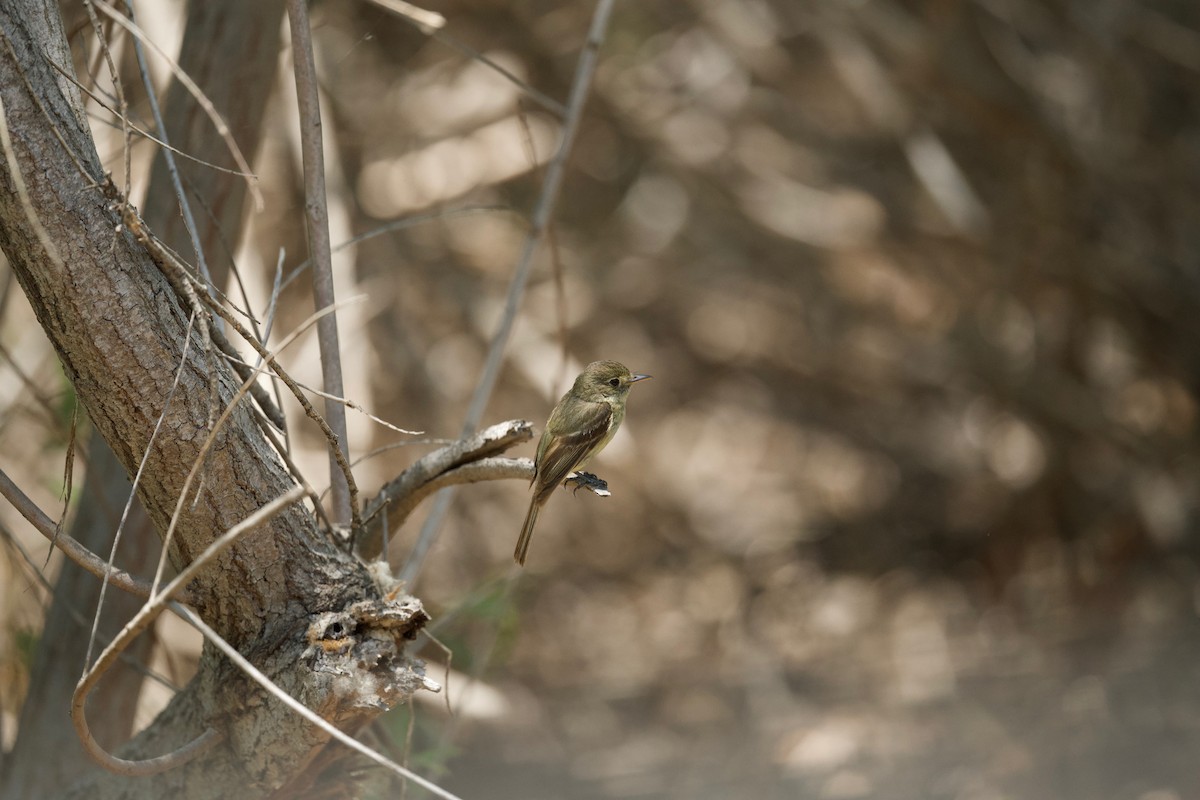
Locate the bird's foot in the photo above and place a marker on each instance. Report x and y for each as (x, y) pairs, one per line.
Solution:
(586, 480)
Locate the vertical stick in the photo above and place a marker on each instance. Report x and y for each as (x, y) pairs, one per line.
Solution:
(317, 218)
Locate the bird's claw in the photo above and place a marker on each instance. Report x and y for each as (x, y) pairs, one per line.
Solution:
(589, 481)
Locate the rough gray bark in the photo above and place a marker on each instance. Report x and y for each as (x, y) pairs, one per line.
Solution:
(231, 50)
(119, 332)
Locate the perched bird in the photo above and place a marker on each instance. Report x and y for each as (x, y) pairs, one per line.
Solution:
(583, 422)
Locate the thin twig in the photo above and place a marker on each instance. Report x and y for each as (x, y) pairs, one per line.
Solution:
(118, 88)
(434, 27)
(201, 98)
(551, 187)
(387, 448)
(296, 391)
(210, 440)
(185, 207)
(68, 478)
(272, 307)
(296, 473)
(134, 127)
(173, 267)
(77, 616)
(50, 119)
(142, 620)
(394, 225)
(268, 404)
(70, 546)
(44, 402)
(184, 285)
(317, 208)
(262, 680)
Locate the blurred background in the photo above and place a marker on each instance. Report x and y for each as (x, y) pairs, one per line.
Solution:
(908, 510)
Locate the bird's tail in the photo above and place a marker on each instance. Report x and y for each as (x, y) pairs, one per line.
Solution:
(526, 533)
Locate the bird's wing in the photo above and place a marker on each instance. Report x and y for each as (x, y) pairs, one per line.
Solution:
(563, 453)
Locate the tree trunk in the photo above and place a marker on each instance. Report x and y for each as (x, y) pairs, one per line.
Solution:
(120, 333)
(231, 50)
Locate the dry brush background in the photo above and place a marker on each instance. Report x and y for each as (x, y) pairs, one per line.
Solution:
(909, 509)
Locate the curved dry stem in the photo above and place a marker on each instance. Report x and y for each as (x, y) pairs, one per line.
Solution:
(209, 109)
(141, 621)
(71, 547)
(37, 575)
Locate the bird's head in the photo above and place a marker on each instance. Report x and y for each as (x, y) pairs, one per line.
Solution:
(605, 380)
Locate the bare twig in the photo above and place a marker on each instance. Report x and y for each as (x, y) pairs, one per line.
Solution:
(118, 88)
(135, 128)
(316, 206)
(296, 473)
(173, 267)
(68, 479)
(394, 225)
(433, 25)
(44, 402)
(50, 120)
(272, 307)
(70, 547)
(356, 407)
(378, 451)
(142, 620)
(516, 290)
(184, 206)
(295, 389)
(183, 284)
(427, 21)
(217, 120)
(76, 615)
(210, 440)
(268, 404)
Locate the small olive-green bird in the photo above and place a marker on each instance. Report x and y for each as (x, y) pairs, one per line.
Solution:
(583, 422)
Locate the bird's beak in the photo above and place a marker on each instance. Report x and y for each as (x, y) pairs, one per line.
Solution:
(636, 378)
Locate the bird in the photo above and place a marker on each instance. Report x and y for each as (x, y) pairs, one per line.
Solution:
(583, 422)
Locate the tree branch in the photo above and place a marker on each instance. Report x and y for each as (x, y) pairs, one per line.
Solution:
(73, 549)
(438, 469)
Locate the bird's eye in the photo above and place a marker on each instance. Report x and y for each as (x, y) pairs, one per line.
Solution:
(615, 382)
